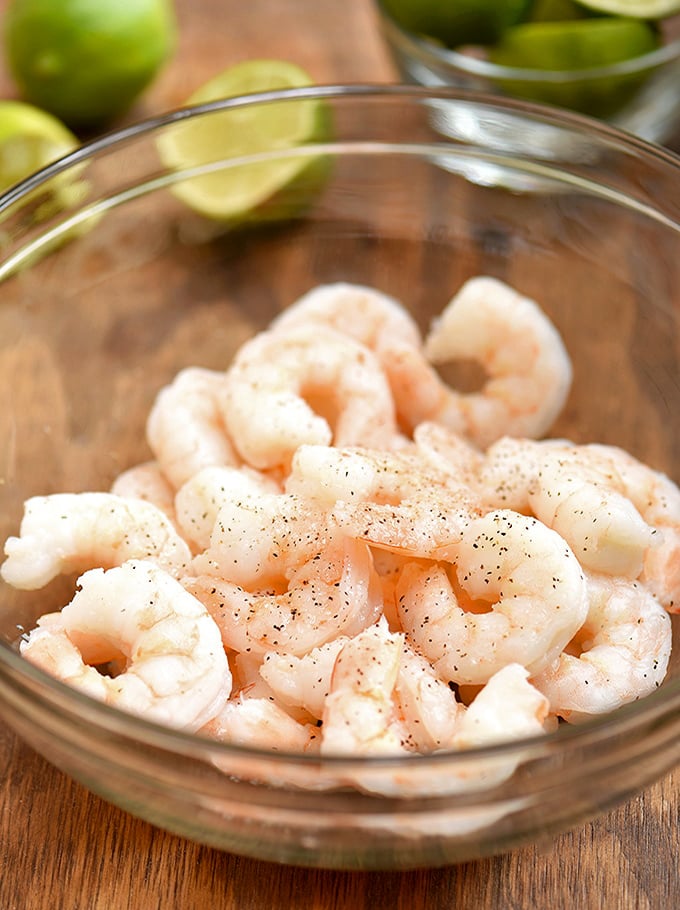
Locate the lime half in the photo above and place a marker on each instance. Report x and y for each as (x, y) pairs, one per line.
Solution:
(29, 139)
(570, 53)
(639, 9)
(286, 175)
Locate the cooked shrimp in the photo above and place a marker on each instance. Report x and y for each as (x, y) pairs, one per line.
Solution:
(427, 705)
(360, 715)
(185, 429)
(517, 566)
(302, 682)
(621, 652)
(374, 319)
(199, 500)
(448, 452)
(71, 532)
(577, 491)
(175, 669)
(261, 724)
(333, 593)
(307, 385)
(260, 537)
(387, 499)
(528, 367)
(508, 707)
(146, 481)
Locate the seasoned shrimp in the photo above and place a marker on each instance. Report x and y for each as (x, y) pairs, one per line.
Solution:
(302, 682)
(175, 669)
(602, 501)
(508, 707)
(448, 452)
(260, 537)
(513, 563)
(185, 429)
(387, 499)
(146, 481)
(71, 532)
(360, 715)
(261, 724)
(529, 372)
(306, 385)
(199, 500)
(621, 652)
(334, 593)
(427, 705)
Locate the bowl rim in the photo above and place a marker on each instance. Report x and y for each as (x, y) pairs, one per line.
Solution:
(427, 51)
(372, 91)
(658, 704)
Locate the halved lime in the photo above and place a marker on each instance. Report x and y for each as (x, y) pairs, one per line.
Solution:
(557, 11)
(457, 22)
(571, 47)
(283, 180)
(639, 9)
(29, 139)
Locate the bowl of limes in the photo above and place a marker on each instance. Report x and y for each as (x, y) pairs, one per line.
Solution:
(616, 60)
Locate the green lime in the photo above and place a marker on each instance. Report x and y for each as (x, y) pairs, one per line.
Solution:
(270, 189)
(584, 44)
(29, 139)
(639, 9)
(557, 11)
(457, 22)
(86, 61)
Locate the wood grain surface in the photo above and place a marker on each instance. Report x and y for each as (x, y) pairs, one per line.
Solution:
(64, 849)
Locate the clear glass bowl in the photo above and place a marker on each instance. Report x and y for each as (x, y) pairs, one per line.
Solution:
(103, 301)
(641, 95)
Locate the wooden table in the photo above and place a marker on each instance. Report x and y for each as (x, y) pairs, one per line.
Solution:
(64, 849)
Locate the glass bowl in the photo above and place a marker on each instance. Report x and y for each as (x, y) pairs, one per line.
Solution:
(640, 95)
(111, 285)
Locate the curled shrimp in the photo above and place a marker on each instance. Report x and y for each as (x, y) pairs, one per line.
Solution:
(387, 499)
(258, 538)
(514, 565)
(71, 532)
(360, 716)
(185, 429)
(370, 317)
(302, 682)
(175, 670)
(306, 385)
(146, 481)
(333, 593)
(620, 653)
(261, 724)
(427, 705)
(529, 371)
(200, 499)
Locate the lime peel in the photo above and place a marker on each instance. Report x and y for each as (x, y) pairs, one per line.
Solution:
(637, 9)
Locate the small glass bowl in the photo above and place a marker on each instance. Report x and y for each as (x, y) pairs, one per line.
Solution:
(115, 286)
(641, 95)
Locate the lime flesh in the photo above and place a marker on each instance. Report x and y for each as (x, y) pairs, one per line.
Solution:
(29, 139)
(277, 133)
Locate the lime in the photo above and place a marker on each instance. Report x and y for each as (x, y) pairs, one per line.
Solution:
(85, 61)
(583, 44)
(639, 9)
(264, 190)
(457, 23)
(29, 139)
(557, 11)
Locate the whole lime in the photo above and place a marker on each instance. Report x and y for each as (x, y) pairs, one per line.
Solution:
(457, 22)
(86, 61)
